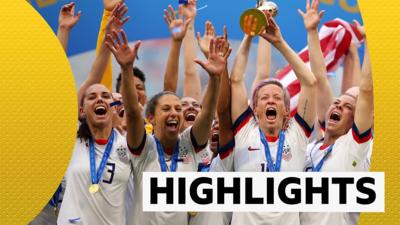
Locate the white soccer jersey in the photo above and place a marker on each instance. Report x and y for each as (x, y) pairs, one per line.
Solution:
(107, 206)
(212, 218)
(349, 154)
(205, 155)
(129, 200)
(249, 156)
(146, 160)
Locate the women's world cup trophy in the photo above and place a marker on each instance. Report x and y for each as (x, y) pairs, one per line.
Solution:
(260, 13)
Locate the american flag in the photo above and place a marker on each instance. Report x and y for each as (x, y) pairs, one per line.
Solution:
(335, 38)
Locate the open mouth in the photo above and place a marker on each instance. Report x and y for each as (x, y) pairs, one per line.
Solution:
(190, 116)
(215, 137)
(121, 113)
(271, 113)
(172, 125)
(100, 110)
(335, 117)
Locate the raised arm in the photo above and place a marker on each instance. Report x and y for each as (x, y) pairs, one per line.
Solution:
(125, 56)
(351, 69)
(192, 85)
(66, 21)
(204, 42)
(224, 105)
(263, 62)
(306, 105)
(109, 5)
(238, 86)
(311, 20)
(363, 117)
(215, 66)
(177, 27)
(100, 63)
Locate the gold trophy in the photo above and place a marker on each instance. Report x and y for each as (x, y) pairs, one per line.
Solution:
(260, 13)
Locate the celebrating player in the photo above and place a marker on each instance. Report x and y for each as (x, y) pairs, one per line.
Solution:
(261, 141)
(97, 176)
(166, 150)
(348, 121)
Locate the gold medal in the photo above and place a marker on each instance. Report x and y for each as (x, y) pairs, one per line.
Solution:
(94, 188)
(192, 214)
(56, 211)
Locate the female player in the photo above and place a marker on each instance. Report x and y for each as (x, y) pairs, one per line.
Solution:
(262, 142)
(348, 121)
(168, 149)
(97, 176)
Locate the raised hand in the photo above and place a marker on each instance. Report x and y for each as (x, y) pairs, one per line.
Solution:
(177, 26)
(250, 25)
(190, 9)
(226, 46)
(109, 5)
(272, 32)
(311, 17)
(124, 54)
(204, 43)
(117, 19)
(67, 18)
(360, 28)
(217, 60)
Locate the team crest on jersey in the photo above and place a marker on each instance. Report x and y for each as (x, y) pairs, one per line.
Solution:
(122, 153)
(183, 151)
(287, 154)
(184, 155)
(205, 156)
(187, 159)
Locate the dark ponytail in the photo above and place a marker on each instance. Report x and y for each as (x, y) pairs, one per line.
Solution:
(83, 130)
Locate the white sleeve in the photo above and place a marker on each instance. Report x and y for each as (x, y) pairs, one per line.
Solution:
(298, 126)
(241, 130)
(140, 154)
(359, 144)
(200, 153)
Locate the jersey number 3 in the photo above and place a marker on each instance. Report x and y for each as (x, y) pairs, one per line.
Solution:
(110, 169)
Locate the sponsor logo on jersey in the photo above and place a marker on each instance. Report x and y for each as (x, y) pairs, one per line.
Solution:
(252, 149)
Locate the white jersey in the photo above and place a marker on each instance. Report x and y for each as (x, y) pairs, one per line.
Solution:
(107, 206)
(129, 200)
(349, 154)
(249, 156)
(145, 159)
(205, 155)
(212, 218)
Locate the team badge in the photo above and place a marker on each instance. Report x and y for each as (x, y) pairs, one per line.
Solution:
(287, 154)
(205, 157)
(186, 159)
(122, 153)
(183, 151)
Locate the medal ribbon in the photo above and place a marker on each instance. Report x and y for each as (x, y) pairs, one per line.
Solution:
(271, 166)
(96, 177)
(56, 197)
(161, 157)
(321, 163)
